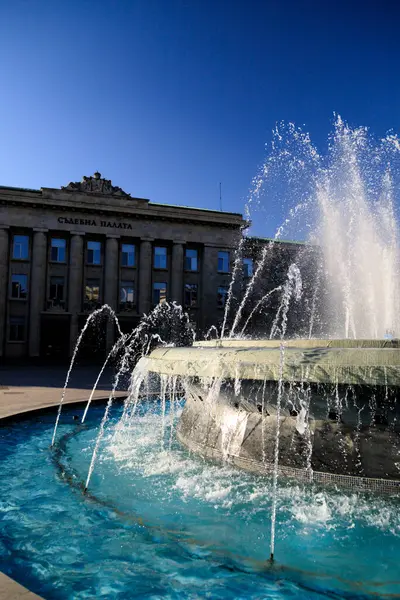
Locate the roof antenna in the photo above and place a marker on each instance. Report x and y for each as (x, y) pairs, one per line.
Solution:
(220, 196)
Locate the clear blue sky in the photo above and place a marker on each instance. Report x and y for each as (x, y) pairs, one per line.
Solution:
(169, 97)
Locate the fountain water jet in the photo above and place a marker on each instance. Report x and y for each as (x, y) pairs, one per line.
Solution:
(90, 319)
(358, 234)
(112, 353)
(276, 455)
(140, 343)
(257, 306)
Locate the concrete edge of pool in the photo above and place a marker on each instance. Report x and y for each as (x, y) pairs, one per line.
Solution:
(15, 402)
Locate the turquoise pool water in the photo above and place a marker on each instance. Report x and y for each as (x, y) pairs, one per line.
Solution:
(160, 523)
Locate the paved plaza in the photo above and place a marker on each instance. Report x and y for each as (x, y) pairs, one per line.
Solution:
(27, 388)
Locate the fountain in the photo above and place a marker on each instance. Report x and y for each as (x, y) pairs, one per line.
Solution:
(245, 466)
(322, 385)
(319, 410)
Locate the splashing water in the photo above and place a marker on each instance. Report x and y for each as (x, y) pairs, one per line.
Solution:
(139, 378)
(140, 344)
(358, 234)
(212, 329)
(120, 342)
(90, 319)
(292, 287)
(344, 204)
(260, 303)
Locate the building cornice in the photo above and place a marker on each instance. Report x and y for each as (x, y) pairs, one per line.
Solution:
(128, 207)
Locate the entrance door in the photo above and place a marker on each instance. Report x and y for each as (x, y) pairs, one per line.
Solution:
(93, 345)
(54, 338)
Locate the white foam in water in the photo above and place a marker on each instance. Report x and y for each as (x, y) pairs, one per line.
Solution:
(316, 513)
(137, 451)
(332, 509)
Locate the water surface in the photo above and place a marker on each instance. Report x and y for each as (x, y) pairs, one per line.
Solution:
(158, 522)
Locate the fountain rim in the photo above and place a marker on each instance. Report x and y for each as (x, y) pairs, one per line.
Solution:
(299, 343)
(351, 362)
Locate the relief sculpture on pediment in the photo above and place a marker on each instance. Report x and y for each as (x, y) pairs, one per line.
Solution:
(95, 184)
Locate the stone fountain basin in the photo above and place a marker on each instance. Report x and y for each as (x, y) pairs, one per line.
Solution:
(330, 449)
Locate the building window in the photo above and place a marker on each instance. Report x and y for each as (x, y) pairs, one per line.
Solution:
(56, 295)
(191, 259)
(190, 294)
(223, 262)
(19, 286)
(126, 295)
(20, 247)
(93, 256)
(247, 267)
(58, 247)
(17, 329)
(92, 294)
(160, 257)
(221, 296)
(128, 255)
(159, 293)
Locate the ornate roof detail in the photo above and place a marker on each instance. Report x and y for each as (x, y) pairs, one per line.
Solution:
(95, 184)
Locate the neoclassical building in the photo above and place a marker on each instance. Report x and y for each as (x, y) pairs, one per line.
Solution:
(65, 252)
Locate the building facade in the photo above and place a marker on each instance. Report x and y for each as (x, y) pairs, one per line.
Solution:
(65, 252)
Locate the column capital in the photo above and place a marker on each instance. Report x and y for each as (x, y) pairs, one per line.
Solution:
(147, 239)
(2, 226)
(77, 233)
(113, 236)
(181, 242)
(40, 230)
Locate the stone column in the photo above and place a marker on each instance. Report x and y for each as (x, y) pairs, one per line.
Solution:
(145, 268)
(209, 286)
(76, 253)
(111, 284)
(177, 272)
(4, 246)
(37, 289)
